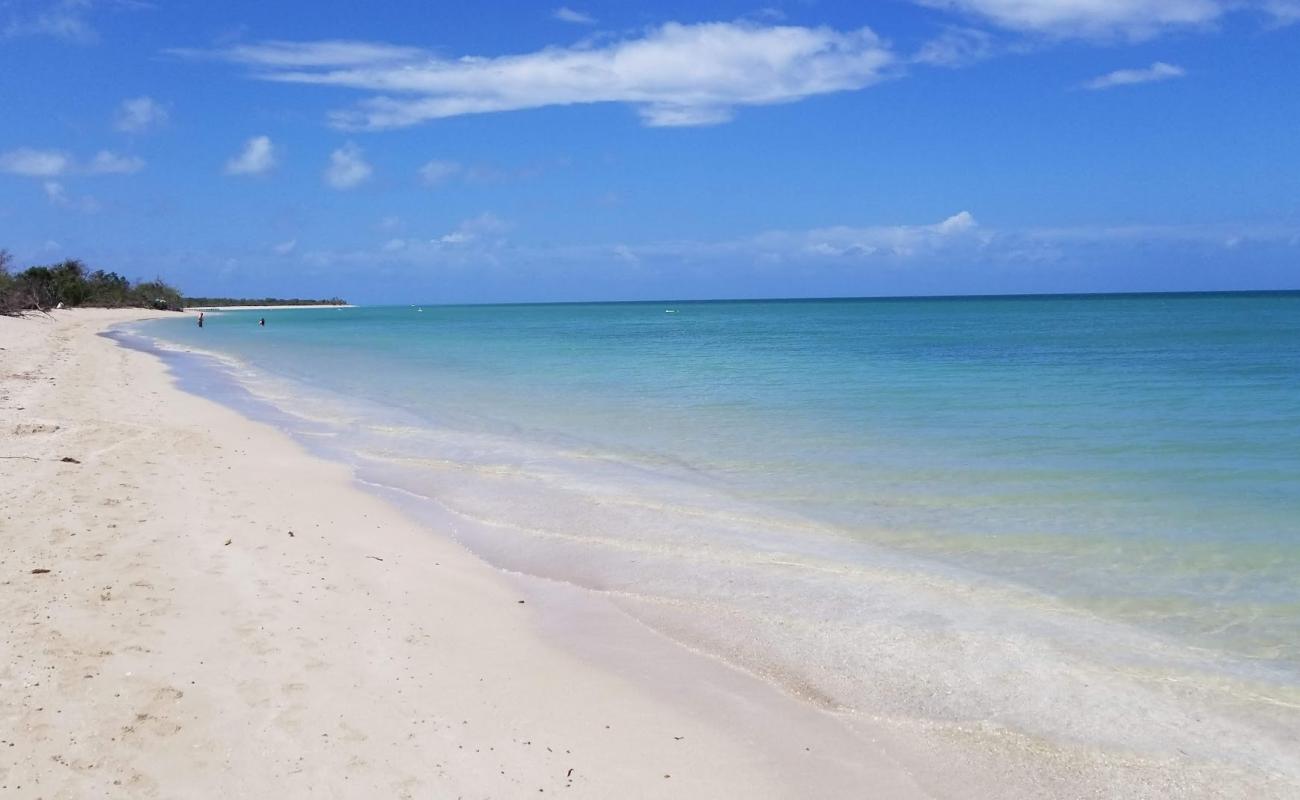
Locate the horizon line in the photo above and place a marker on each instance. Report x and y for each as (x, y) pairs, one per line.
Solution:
(843, 298)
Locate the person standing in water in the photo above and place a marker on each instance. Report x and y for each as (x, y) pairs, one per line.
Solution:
(200, 319)
(262, 322)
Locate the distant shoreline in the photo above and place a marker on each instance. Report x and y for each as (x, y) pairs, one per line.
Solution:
(268, 308)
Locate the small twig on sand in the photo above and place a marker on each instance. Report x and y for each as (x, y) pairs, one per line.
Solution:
(377, 558)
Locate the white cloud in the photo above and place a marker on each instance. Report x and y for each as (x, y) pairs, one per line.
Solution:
(1089, 18)
(956, 47)
(957, 239)
(884, 241)
(257, 157)
(471, 238)
(1159, 71)
(954, 247)
(140, 114)
(109, 163)
(280, 54)
(566, 14)
(34, 163)
(960, 222)
(1108, 19)
(436, 172)
(673, 75)
(285, 248)
(347, 168)
(485, 225)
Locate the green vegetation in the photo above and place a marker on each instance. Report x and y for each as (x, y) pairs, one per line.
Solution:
(212, 302)
(70, 283)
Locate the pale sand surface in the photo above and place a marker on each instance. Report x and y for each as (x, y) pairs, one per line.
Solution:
(185, 644)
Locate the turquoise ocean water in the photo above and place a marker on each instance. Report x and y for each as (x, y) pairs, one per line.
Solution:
(1025, 509)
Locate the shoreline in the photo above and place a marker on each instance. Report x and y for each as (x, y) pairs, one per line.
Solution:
(761, 730)
(183, 637)
(189, 309)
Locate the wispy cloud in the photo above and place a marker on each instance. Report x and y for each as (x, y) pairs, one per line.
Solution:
(674, 75)
(475, 229)
(1208, 234)
(285, 248)
(878, 242)
(438, 172)
(280, 54)
(55, 192)
(139, 115)
(107, 162)
(347, 168)
(566, 14)
(257, 157)
(65, 19)
(483, 239)
(33, 163)
(476, 239)
(1285, 12)
(956, 242)
(59, 196)
(1159, 71)
(1109, 19)
(956, 47)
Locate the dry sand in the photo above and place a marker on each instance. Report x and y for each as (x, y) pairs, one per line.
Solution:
(226, 616)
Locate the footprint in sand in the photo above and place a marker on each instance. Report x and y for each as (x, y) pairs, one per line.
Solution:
(31, 428)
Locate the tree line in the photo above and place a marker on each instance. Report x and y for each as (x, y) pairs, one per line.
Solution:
(72, 284)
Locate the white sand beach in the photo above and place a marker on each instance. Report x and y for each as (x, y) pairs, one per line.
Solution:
(194, 607)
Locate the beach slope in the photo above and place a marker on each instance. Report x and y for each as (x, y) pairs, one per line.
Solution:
(193, 606)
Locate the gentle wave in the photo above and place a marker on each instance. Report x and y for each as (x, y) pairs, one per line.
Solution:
(988, 518)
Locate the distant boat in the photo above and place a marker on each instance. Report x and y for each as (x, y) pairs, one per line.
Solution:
(670, 311)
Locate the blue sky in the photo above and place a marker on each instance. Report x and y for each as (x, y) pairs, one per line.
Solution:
(470, 152)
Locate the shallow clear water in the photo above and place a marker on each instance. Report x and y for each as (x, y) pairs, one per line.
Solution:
(798, 484)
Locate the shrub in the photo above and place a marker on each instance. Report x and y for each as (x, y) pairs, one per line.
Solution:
(69, 283)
